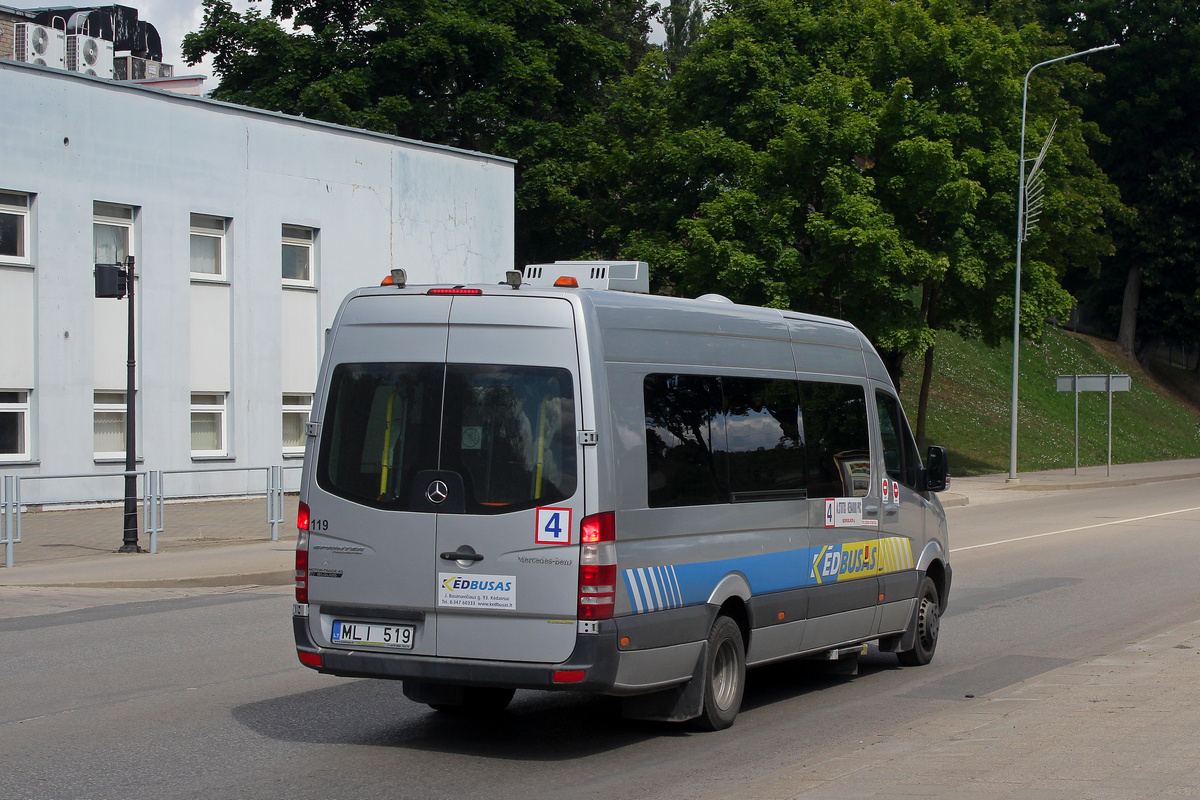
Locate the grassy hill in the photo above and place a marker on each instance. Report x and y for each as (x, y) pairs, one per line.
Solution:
(971, 394)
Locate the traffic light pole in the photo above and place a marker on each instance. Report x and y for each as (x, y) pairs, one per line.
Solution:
(130, 541)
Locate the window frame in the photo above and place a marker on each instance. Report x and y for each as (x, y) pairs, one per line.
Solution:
(815, 428)
(304, 408)
(110, 408)
(23, 213)
(309, 244)
(99, 218)
(221, 235)
(221, 410)
(23, 408)
(910, 458)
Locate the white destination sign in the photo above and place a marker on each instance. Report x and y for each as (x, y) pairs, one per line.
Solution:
(456, 590)
(843, 512)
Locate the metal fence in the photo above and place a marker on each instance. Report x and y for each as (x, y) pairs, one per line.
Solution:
(153, 500)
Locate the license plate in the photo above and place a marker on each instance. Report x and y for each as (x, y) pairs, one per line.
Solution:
(372, 634)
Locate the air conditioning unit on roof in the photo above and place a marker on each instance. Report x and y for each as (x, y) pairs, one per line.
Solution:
(128, 67)
(625, 276)
(41, 45)
(90, 55)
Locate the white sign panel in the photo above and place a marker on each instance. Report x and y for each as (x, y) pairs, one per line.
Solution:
(553, 526)
(1093, 383)
(843, 512)
(477, 591)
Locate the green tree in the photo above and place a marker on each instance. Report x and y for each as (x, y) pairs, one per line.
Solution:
(858, 159)
(501, 76)
(1148, 108)
(682, 22)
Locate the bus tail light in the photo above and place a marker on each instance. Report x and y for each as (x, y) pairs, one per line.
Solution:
(597, 566)
(302, 555)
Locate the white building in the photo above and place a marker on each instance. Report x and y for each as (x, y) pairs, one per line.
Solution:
(247, 228)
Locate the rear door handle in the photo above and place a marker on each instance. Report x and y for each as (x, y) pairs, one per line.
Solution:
(463, 554)
(870, 511)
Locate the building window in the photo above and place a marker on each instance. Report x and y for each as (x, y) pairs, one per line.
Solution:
(296, 408)
(298, 255)
(111, 232)
(208, 425)
(108, 424)
(14, 425)
(208, 247)
(14, 228)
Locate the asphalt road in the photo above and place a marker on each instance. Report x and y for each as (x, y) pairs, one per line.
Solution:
(199, 695)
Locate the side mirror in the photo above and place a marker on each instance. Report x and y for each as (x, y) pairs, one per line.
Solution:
(937, 469)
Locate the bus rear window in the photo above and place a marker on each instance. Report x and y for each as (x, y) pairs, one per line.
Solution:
(380, 430)
(509, 432)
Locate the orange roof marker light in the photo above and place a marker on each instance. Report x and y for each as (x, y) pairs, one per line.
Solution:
(567, 282)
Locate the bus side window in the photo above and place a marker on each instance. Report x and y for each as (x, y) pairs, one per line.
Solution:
(685, 441)
(900, 457)
(836, 438)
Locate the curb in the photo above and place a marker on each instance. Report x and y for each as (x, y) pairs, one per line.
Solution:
(274, 578)
(1094, 484)
(953, 499)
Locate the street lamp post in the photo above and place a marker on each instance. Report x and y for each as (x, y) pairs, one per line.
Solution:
(1021, 211)
(129, 541)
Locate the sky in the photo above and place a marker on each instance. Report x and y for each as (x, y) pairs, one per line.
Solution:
(173, 19)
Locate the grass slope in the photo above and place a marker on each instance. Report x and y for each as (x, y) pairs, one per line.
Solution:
(971, 394)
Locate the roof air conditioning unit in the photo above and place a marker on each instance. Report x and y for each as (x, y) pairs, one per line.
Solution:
(128, 67)
(38, 44)
(90, 55)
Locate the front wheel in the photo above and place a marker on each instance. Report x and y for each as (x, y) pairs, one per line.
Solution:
(928, 622)
(724, 676)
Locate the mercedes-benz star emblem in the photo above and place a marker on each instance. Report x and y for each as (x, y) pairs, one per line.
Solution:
(437, 492)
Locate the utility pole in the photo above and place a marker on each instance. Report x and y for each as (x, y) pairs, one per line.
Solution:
(1022, 230)
(129, 543)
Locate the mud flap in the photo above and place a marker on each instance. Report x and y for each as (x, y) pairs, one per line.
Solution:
(902, 642)
(677, 704)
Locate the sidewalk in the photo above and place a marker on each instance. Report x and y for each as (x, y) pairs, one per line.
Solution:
(210, 544)
(983, 489)
(1119, 726)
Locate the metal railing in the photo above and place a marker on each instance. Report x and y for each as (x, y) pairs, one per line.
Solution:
(153, 499)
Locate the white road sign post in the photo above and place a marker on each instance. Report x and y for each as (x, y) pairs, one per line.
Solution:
(1094, 383)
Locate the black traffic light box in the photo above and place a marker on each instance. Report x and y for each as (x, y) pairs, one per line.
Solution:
(110, 280)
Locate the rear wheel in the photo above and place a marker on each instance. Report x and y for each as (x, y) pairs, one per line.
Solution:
(928, 622)
(481, 700)
(724, 676)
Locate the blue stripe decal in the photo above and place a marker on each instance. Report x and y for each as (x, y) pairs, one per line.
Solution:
(655, 588)
(673, 585)
(664, 584)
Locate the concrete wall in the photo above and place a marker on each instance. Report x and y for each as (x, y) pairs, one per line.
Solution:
(377, 202)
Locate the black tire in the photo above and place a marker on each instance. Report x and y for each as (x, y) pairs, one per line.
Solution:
(928, 622)
(724, 676)
(478, 701)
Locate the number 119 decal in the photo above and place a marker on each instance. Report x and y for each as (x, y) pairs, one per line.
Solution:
(553, 526)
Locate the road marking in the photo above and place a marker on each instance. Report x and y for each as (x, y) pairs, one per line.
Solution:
(1072, 530)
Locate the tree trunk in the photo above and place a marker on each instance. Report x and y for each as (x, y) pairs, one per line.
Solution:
(893, 361)
(929, 295)
(923, 402)
(1129, 307)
